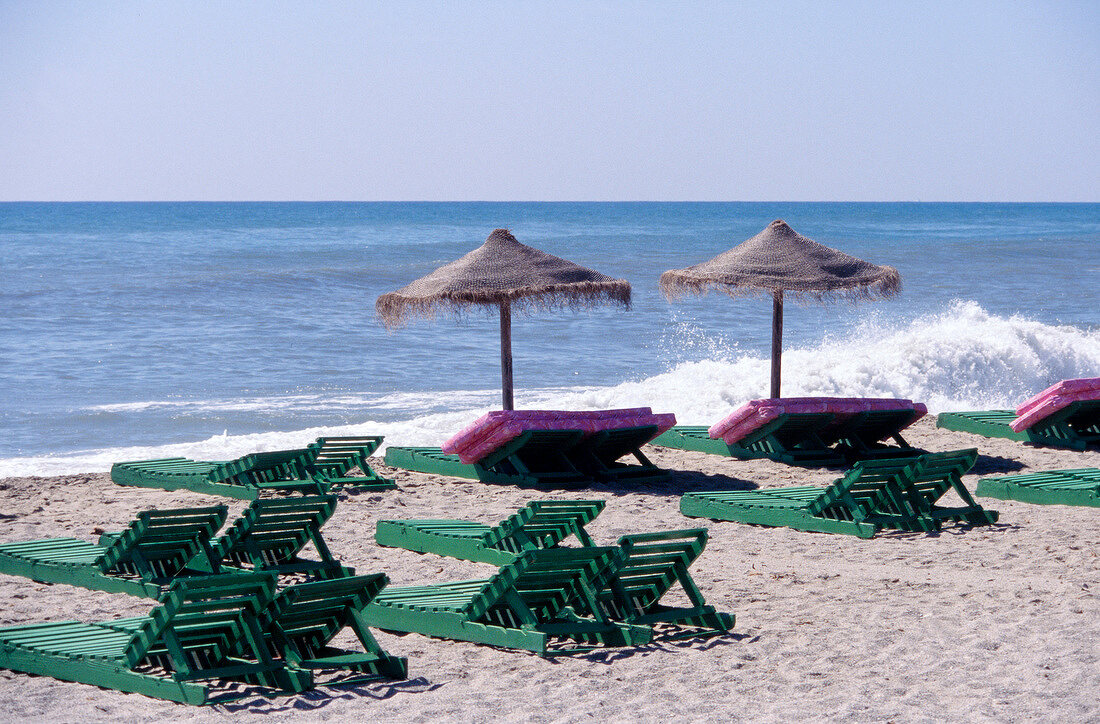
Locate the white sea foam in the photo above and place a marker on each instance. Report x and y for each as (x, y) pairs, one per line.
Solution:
(963, 358)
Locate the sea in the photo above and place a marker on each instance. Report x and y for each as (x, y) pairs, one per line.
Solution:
(211, 330)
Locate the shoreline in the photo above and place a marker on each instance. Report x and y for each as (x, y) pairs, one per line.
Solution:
(988, 623)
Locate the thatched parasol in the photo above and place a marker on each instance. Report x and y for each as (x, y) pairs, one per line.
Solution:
(780, 259)
(506, 274)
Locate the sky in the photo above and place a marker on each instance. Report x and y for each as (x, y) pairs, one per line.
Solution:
(550, 101)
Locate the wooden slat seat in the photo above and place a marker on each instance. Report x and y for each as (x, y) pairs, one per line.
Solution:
(1079, 486)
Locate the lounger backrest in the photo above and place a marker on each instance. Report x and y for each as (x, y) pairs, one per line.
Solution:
(274, 530)
(544, 524)
(202, 620)
(651, 564)
(545, 580)
(870, 486)
(161, 542)
(335, 456)
(932, 474)
(307, 616)
(262, 467)
(1053, 399)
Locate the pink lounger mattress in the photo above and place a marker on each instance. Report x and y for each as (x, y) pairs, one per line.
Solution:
(493, 429)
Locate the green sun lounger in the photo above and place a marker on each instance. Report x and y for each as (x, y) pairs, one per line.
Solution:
(793, 438)
(313, 470)
(157, 546)
(651, 564)
(1076, 426)
(859, 436)
(541, 524)
(534, 459)
(526, 605)
(304, 618)
(205, 629)
(875, 494)
(1053, 487)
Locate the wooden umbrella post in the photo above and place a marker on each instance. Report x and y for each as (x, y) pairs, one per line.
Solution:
(506, 355)
(777, 340)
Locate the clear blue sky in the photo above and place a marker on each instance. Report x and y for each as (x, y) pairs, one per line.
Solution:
(966, 101)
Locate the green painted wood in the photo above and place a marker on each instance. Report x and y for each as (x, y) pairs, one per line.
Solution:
(1080, 487)
(900, 494)
(541, 524)
(206, 628)
(859, 437)
(525, 605)
(156, 547)
(535, 459)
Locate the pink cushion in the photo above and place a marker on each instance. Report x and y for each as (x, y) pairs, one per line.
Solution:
(755, 414)
(498, 427)
(1053, 399)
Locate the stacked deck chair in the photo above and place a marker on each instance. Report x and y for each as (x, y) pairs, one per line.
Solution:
(209, 631)
(630, 590)
(313, 470)
(1063, 415)
(529, 604)
(875, 494)
(1052, 487)
(541, 524)
(545, 448)
(160, 546)
(807, 431)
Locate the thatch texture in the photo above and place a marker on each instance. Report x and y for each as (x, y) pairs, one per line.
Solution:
(781, 259)
(500, 271)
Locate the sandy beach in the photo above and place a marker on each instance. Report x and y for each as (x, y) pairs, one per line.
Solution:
(989, 624)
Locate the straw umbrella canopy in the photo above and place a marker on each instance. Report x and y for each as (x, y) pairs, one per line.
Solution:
(780, 259)
(508, 275)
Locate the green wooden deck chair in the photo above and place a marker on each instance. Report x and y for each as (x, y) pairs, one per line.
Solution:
(534, 459)
(600, 455)
(334, 457)
(1080, 486)
(271, 533)
(526, 605)
(651, 564)
(245, 478)
(859, 436)
(873, 495)
(1076, 426)
(205, 629)
(793, 438)
(301, 623)
(157, 546)
(541, 524)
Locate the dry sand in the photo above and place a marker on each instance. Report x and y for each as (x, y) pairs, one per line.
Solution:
(989, 624)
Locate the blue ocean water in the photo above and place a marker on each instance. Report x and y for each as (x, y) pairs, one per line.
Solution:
(213, 329)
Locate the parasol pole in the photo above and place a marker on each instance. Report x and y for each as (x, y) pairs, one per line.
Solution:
(506, 355)
(777, 339)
